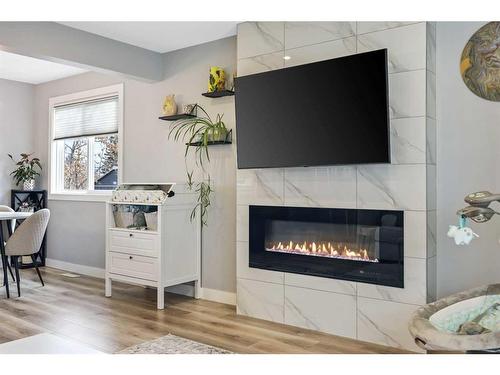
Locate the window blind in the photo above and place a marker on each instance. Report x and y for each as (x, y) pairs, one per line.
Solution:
(95, 117)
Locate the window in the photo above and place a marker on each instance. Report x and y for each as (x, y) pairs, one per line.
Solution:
(85, 144)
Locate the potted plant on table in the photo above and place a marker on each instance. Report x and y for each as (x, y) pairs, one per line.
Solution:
(26, 171)
(198, 132)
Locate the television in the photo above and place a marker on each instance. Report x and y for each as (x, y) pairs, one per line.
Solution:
(332, 112)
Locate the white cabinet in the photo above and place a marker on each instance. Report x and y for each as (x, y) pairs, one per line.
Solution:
(145, 268)
(134, 242)
(166, 256)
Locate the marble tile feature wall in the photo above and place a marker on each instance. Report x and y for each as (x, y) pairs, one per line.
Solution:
(320, 187)
(406, 47)
(367, 312)
(431, 183)
(299, 34)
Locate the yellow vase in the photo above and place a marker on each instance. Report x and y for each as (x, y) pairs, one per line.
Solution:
(169, 106)
(217, 80)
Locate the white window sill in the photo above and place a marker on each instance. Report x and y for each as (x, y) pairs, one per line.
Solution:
(81, 197)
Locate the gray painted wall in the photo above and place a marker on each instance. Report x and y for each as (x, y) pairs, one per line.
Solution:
(468, 160)
(16, 129)
(76, 231)
(63, 44)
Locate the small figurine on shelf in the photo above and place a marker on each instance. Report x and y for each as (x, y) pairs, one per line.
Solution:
(169, 106)
(26, 207)
(217, 79)
(231, 85)
(189, 109)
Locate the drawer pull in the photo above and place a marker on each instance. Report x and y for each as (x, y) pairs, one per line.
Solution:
(131, 257)
(131, 235)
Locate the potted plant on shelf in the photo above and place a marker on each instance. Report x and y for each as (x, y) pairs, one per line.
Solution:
(26, 171)
(198, 132)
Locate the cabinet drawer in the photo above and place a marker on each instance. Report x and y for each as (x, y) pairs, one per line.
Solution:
(145, 244)
(133, 266)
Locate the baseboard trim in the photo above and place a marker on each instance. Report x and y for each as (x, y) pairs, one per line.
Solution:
(218, 296)
(76, 268)
(214, 295)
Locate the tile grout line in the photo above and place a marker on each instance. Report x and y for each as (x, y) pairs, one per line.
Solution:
(392, 28)
(357, 36)
(356, 290)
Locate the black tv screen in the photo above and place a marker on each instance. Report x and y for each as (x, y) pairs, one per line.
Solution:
(324, 113)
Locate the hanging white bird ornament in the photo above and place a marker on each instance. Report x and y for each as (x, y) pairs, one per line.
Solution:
(462, 234)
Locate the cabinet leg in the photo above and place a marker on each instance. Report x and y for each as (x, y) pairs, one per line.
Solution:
(107, 287)
(160, 298)
(197, 289)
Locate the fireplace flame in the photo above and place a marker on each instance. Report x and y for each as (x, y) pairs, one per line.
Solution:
(323, 249)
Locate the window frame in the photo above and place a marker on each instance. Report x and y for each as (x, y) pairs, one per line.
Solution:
(54, 174)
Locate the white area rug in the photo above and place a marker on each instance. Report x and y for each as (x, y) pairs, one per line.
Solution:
(172, 344)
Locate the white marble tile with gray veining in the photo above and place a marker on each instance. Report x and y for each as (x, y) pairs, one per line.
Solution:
(431, 46)
(321, 187)
(260, 300)
(299, 34)
(407, 94)
(431, 187)
(431, 140)
(369, 27)
(259, 186)
(392, 187)
(320, 283)
(431, 233)
(431, 279)
(408, 140)
(245, 272)
(242, 222)
(259, 38)
(327, 304)
(431, 95)
(385, 323)
(321, 311)
(406, 46)
(261, 63)
(414, 290)
(320, 52)
(415, 228)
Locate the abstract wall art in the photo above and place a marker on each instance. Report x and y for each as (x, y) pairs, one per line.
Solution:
(480, 62)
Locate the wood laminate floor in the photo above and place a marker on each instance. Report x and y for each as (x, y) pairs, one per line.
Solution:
(76, 308)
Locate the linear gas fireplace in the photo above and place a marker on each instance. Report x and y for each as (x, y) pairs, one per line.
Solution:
(348, 244)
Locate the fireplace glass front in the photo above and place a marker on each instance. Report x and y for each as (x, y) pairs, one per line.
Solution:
(349, 244)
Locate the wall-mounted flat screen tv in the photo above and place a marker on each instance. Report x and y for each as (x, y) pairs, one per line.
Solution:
(324, 113)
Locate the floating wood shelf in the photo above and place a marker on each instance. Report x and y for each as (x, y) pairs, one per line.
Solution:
(227, 141)
(218, 94)
(177, 117)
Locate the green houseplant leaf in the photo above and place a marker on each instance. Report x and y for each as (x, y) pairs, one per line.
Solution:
(27, 169)
(198, 132)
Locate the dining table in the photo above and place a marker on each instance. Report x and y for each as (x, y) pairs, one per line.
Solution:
(7, 217)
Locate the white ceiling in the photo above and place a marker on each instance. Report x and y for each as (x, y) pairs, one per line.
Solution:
(30, 70)
(159, 36)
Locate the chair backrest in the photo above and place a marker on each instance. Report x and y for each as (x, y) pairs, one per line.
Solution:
(8, 209)
(28, 237)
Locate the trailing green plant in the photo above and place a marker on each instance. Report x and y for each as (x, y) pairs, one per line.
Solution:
(198, 132)
(26, 168)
